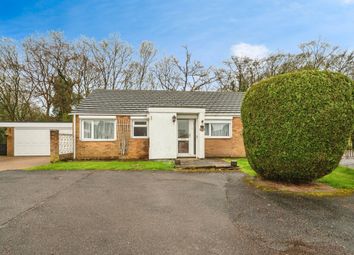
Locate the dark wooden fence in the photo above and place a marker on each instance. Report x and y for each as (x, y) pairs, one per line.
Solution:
(3, 149)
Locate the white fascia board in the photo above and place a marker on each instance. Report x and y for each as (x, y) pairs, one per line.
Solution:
(176, 110)
(208, 115)
(187, 116)
(213, 117)
(97, 117)
(52, 125)
(140, 117)
(109, 114)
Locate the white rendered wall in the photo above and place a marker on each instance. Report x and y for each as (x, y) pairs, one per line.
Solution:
(163, 136)
(163, 132)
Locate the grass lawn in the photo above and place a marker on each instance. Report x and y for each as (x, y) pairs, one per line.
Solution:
(108, 165)
(342, 177)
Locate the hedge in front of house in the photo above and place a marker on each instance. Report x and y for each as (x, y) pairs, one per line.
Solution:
(297, 125)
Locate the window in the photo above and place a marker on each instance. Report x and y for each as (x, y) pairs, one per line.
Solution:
(99, 130)
(218, 129)
(140, 129)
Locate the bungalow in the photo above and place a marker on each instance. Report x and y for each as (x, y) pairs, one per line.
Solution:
(138, 124)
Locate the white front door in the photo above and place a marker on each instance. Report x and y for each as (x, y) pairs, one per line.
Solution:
(186, 137)
(162, 136)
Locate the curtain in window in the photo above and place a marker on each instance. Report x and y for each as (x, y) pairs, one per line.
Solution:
(207, 127)
(219, 129)
(103, 129)
(87, 129)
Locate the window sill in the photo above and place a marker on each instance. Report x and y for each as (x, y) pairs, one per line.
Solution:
(140, 137)
(98, 140)
(218, 137)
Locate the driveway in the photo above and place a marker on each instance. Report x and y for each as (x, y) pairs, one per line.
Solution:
(17, 163)
(107, 212)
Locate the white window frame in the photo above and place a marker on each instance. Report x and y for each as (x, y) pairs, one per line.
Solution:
(92, 139)
(209, 136)
(134, 125)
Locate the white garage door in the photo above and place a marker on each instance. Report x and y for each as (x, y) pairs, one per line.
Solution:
(32, 142)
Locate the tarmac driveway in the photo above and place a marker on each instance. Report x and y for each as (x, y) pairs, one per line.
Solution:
(17, 163)
(107, 212)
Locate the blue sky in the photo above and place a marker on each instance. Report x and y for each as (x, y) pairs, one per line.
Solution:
(212, 29)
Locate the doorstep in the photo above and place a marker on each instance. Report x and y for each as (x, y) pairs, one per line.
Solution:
(189, 163)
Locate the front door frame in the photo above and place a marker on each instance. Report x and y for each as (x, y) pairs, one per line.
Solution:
(170, 132)
(191, 138)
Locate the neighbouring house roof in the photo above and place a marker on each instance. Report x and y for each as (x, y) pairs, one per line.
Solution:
(102, 101)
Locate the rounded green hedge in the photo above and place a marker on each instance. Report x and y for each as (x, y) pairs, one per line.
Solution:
(296, 126)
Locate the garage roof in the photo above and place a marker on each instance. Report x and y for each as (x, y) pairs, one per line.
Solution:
(9, 124)
(138, 101)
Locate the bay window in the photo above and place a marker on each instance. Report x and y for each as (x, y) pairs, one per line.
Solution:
(218, 129)
(98, 130)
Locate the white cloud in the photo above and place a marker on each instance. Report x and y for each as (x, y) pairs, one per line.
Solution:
(348, 1)
(248, 50)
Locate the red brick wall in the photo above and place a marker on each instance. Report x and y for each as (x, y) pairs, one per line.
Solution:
(54, 146)
(10, 133)
(229, 147)
(138, 148)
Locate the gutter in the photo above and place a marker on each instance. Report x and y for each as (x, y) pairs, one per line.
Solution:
(74, 133)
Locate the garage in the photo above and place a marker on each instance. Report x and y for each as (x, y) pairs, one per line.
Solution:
(26, 139)
(32, 138)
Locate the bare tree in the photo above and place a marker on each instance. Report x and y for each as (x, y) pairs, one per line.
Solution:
(225, 79)
(46, 57)
(187, 75)
(193, 73)
(38, 72)
(317, 54)
(84, 72)
(324, 56)
(166, 74)
(139, 75)
(44, 70)
(15, 93)
(110, 58)
(238, 74)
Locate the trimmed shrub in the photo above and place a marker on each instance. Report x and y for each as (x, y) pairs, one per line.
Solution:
(296, 126)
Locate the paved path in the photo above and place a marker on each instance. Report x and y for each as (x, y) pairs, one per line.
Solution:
(349, 162)
(17, 163)
(107, 212)
(202, 163)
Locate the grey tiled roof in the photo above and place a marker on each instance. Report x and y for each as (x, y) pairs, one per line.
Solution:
(137, 101)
